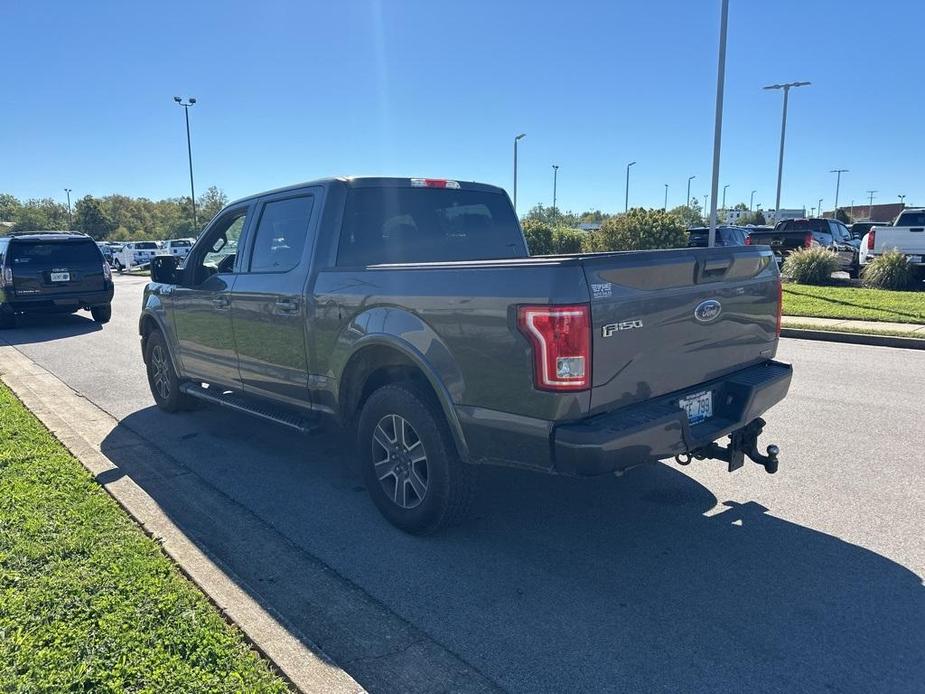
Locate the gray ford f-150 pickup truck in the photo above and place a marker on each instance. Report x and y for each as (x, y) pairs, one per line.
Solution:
(410, 310)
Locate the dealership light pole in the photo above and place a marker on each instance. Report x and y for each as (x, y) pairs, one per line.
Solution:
(902, 199)
(751, 200)
(70, 224)
(555, 181)
(838, 173)
(519, 137)
(687, 203)
(666, 198)
(819, 206)
(724, 196)
(189, 151)
(718, 123)
(783, 130)
(626, 201)
(870, 207)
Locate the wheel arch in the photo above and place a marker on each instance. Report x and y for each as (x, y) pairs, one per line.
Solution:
(380, 359)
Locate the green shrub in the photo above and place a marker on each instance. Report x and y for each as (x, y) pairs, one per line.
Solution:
(892, 270)
(565, 240)
(813, 265)
(638, 230)
(539, 236)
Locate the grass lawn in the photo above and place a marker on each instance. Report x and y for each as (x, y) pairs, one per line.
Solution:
(854, 302)
(88, 602)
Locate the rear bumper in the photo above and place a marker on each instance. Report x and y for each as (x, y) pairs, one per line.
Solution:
(659, 429)
(54, 303)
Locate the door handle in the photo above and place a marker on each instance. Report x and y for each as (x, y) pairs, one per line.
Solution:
(287, 305)
(220, 302)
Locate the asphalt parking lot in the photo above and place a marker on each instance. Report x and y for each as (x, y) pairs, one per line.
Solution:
(667, 579)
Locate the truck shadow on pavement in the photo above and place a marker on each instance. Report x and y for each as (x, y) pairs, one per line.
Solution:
(45, 328)
(636, 584)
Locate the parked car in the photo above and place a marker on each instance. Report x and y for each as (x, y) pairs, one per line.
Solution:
(410, 311)
(178, 247)
(791, 234)
(906, 234)
(53, 272)
(859, 229)
(725, 236)
(135, 254)
(106, 250)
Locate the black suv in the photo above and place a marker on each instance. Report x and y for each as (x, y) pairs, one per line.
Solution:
(53, 272)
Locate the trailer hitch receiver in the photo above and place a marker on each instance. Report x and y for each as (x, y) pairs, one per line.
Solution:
(742, 442)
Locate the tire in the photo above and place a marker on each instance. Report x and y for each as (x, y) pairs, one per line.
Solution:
(101, 313)
(162, 376)
(404, 440)
(119, 267)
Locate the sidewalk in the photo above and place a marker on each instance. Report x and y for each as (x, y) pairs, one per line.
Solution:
(913, 330)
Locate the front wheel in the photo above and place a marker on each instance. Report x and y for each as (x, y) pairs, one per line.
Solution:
(409, 462)
(162, 376)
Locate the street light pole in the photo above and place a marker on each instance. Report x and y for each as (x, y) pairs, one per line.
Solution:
(819, 206)
(718, 124)
(519, 137)
(870, 207)
(189, 151)
(687, 203)
(838, 173)
(751, 200)
(626, 202)
(70, 224)
(902, 199)
(666, 198)
(783, 131)
(724, 197)
(555, 180)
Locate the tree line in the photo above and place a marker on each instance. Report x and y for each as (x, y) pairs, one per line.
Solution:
(113, 217)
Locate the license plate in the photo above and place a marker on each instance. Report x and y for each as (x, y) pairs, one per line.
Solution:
(699, 406)
(61, 277)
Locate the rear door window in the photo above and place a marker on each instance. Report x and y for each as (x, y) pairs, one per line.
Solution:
(281, 234)
(389, 224)
(46, 254)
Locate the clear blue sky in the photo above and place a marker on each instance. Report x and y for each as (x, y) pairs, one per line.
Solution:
(293, 91)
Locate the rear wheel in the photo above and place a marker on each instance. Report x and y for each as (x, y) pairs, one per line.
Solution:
(101, 313)
(162, 376)
(409, 462)
(118, 266)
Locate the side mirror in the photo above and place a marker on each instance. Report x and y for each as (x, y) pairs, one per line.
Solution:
(164, 269)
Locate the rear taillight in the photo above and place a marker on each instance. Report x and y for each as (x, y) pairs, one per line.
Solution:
(780, 303)
(434, 183)
(748, 240)
(561, 337)
(871, 236)
(808, 239)
(7, 279)
(107, 273)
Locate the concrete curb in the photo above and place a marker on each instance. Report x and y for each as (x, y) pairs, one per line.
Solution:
(854, 338)
(80, 426)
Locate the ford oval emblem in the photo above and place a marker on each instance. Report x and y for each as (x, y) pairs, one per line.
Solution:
(708, 310)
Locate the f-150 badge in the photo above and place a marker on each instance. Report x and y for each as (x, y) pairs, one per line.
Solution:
(612, 328)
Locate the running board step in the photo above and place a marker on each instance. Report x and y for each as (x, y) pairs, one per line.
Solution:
(269, 412)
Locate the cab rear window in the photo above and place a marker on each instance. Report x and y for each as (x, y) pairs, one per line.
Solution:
(54, 253)
(419, 225)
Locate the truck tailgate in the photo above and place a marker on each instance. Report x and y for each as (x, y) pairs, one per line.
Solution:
(663, 321)
(909, 240)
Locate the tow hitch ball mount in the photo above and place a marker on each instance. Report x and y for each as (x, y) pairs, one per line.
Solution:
(742, 442)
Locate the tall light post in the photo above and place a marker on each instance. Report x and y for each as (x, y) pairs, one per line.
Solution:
(870, 207)
(838, 173)
(705, 199)
(555, 180)
(70, 224)
(666, 198)
(902, 199)
(718, 122)
(724, 196)
(783, 130)
(819, 206)
(189, 151)
(516, 139)
(626, 201)
(751, 200)
(687, 202)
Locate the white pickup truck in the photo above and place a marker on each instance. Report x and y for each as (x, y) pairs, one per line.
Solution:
(906, 234)
(178, 247)
(134, 254)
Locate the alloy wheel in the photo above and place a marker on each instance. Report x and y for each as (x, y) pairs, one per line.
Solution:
(400, 461)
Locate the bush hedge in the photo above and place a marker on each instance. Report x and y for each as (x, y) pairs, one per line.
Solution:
(891, 270)
(810, 265)
(638, 229)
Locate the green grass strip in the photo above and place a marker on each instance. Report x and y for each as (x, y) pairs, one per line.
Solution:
(89, 602)
(856, 303)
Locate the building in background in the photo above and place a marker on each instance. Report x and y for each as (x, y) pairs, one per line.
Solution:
(884, 213)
